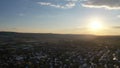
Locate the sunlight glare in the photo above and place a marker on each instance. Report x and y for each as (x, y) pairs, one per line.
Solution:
(95, 25)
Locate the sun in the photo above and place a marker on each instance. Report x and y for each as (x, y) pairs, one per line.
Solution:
(95, 25)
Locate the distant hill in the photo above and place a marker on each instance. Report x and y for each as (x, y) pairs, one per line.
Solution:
(10, 36)
(43, 36)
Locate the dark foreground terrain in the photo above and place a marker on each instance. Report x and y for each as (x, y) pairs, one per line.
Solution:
(28, 50)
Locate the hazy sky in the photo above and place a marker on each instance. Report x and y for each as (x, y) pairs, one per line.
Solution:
(59, 16)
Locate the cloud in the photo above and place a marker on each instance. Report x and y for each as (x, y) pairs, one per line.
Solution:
(118, 16)
(72, 0)
(107, 4)
(116, 27)
(67, 5)
(70, 5)
(21, 14)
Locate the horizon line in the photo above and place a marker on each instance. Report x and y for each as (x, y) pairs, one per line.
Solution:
(59, 33)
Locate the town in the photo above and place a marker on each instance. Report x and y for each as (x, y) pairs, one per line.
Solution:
(24, 50)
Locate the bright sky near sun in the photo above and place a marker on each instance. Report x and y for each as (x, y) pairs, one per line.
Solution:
(101, 17)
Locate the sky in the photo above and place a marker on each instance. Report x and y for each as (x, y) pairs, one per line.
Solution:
(60, 16)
